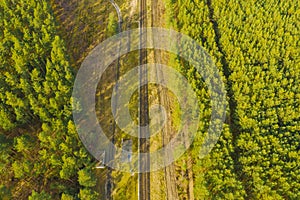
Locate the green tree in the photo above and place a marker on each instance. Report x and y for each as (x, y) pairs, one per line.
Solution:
(87, 194)
(66, 197)
(5, 193)
(38, 196)
(86, 178)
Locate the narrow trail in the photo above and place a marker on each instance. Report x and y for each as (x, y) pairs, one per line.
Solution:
(234, 127)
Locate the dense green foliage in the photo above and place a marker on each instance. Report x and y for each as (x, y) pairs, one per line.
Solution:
(41, 155)
(256, 46)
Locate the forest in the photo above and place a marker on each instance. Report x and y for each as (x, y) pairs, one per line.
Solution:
(254, 44)
(41, 155)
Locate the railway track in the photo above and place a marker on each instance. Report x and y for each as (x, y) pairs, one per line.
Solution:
(144, 135)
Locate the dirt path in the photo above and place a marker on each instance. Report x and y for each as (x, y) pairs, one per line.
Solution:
(169, 172)
(158, 19)
(158, 13)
